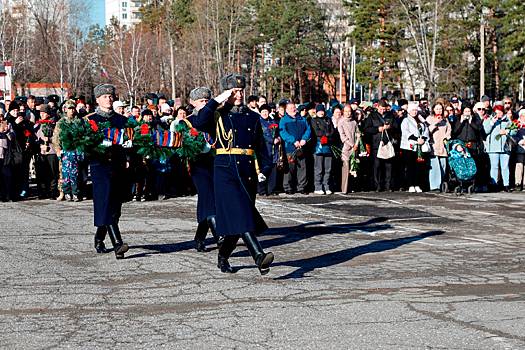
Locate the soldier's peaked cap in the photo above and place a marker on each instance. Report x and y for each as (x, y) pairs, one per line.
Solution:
(233, 81)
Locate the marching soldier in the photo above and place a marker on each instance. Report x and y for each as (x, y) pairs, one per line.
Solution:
(107, 173)
(241, 161)
(202, 176)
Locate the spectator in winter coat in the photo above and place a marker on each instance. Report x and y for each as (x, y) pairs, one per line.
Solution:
(7, 139)
(414, 142)
(273, 144)
(497, 133)
(350, 136)
(295, 132)
(520, 151)
(377, 127)
(469, 129)
(440, 129)
(323, 130)
(46, 163)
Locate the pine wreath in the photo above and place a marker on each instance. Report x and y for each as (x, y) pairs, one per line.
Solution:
(192, 141)
(145, 146)
(82, 136)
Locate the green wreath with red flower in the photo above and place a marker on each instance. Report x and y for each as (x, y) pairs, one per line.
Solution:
(82, 136)
(144, 145)
(193, 141)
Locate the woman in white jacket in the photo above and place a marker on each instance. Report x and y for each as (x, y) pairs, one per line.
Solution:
(414, 141)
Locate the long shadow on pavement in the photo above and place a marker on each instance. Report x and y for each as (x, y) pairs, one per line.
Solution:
(293, 234)
(161, 248)
(287, 235)
(330, 259)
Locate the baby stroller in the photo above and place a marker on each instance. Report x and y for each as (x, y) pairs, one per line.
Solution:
(462, 168)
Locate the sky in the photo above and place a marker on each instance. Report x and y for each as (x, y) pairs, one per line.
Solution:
(96, 12)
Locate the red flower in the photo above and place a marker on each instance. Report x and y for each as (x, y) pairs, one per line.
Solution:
(93, 125)
(273, 126)
(194, 132)
(324, 140)
(420, 160)
(27, 133)
(144, 129)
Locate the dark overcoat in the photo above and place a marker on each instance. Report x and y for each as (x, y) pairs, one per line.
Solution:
(108, 176)
(202, 175)
(235, 176)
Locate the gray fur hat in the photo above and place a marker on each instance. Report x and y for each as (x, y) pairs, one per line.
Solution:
(200, 93)
(233, 81)
(104, 89)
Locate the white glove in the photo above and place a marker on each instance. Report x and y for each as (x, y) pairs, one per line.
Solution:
(127, 144)
(224, 96)
(261, 177)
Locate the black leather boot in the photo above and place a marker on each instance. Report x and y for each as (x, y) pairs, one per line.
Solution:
(226, 249)
(212, 224)
(262, 260)
(100, 235)
(118, 246)
(200, 236)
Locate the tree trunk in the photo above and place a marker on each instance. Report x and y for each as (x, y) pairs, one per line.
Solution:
(496, 66)
(300, 80)
(252, 72)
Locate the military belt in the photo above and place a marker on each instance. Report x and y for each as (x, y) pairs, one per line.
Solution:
(236, 151)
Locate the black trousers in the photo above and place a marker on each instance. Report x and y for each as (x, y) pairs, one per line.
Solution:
(7, 190)
(414, 170)
(382, 169)
(47, 174)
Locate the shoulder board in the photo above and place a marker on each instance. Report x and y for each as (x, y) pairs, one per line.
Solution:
(188, 123)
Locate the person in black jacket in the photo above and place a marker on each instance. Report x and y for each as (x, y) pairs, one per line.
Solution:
(377, 126)
(323, 129)
(469, 129)
(25, 136)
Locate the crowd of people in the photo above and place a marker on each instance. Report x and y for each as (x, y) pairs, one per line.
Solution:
(315, 148)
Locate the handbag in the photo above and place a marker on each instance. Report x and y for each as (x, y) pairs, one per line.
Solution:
(385, 150)
(13, 155)
(425, 148)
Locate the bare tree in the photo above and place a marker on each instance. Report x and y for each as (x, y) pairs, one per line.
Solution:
(422, 18)
(128, 55)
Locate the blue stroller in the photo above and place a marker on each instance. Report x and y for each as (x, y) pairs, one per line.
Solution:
(462, 168)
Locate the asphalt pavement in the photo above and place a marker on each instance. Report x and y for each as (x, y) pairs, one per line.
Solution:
(357, 271)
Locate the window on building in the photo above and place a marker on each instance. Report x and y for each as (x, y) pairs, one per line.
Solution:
(124, 16)
(124, 4)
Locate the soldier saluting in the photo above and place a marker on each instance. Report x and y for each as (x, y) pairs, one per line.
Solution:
(241, 161)
(107, 174)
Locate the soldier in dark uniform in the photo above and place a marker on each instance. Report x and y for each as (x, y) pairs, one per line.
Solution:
(241, 161)
(202, 176)
(107, 173)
